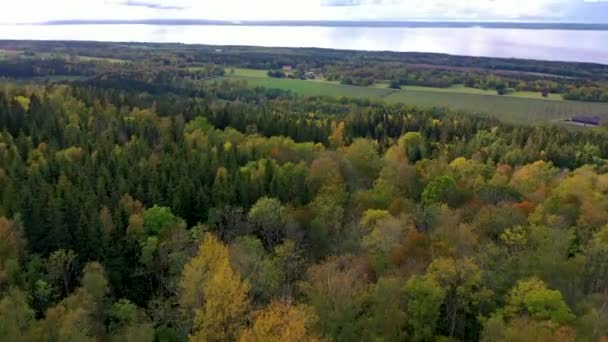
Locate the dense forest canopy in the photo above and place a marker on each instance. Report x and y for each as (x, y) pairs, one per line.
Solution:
(142, 205)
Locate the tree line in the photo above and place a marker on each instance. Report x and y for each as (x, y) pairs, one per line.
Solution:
(154, 63)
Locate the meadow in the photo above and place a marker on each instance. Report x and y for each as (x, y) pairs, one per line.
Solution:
(98, 59)
(506, 108)
(312, 88)
(519, 107)
(461, 89)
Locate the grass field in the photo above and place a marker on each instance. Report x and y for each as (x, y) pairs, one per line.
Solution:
(461, 89)
(506, 108)
(522, 108)
(111, 60)
(247, 72)
(311, 88)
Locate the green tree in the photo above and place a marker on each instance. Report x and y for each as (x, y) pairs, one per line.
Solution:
(414, 145)
(128, 323)
(254, 263)
(424, 298)
(16, 316)
(159, 219)
(269, 218)
(441, 190)
(388, 319)
(94, 280)
(532, 297)
(327, 233)
(79, 316)
(363, 156)
(465, 294)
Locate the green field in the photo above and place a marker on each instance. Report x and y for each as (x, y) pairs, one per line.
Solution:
(524, 107)
(98, 59)
(461, 89)
(247, 72)
(506, 108)
(312, 88)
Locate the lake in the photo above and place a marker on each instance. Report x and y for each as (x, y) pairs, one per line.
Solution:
(545, 44)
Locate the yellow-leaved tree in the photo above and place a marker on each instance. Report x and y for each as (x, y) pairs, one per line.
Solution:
(281, 321)
(213, 293)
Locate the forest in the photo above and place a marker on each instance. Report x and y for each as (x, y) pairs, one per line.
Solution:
(142, 205)
(573, 81)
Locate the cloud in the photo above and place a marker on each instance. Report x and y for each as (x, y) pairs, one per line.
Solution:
(339, 3)
(152, 5)
(351, 3)
(456, 10)
(15, 11)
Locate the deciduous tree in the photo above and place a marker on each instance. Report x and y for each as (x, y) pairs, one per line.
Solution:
(213, 294)
(282, 321)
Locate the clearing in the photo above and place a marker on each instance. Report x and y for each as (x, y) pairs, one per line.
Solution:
(518, 108)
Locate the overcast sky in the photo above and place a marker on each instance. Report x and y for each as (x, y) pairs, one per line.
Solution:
(20, 11)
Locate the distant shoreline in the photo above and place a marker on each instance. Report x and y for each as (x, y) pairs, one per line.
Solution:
(363, 24)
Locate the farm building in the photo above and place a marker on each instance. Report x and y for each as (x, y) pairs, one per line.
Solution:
(287, 67)
(310, 75)
(587, 120)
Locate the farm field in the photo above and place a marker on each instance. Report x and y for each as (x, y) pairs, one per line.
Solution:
(538, 96)
(506, 108)
(111, 60)
(521, 109)
(247, 72)
(311, 88)
(460, 89)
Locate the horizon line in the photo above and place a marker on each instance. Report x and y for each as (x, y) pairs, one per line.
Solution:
(457, 23)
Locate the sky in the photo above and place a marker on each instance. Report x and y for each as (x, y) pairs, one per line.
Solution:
(30, 11)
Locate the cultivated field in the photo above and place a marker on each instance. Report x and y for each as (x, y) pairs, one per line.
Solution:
(247, 72)
(98, 59)
(521, 107)
(311, 88)
(506, 108)
(461, 89)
